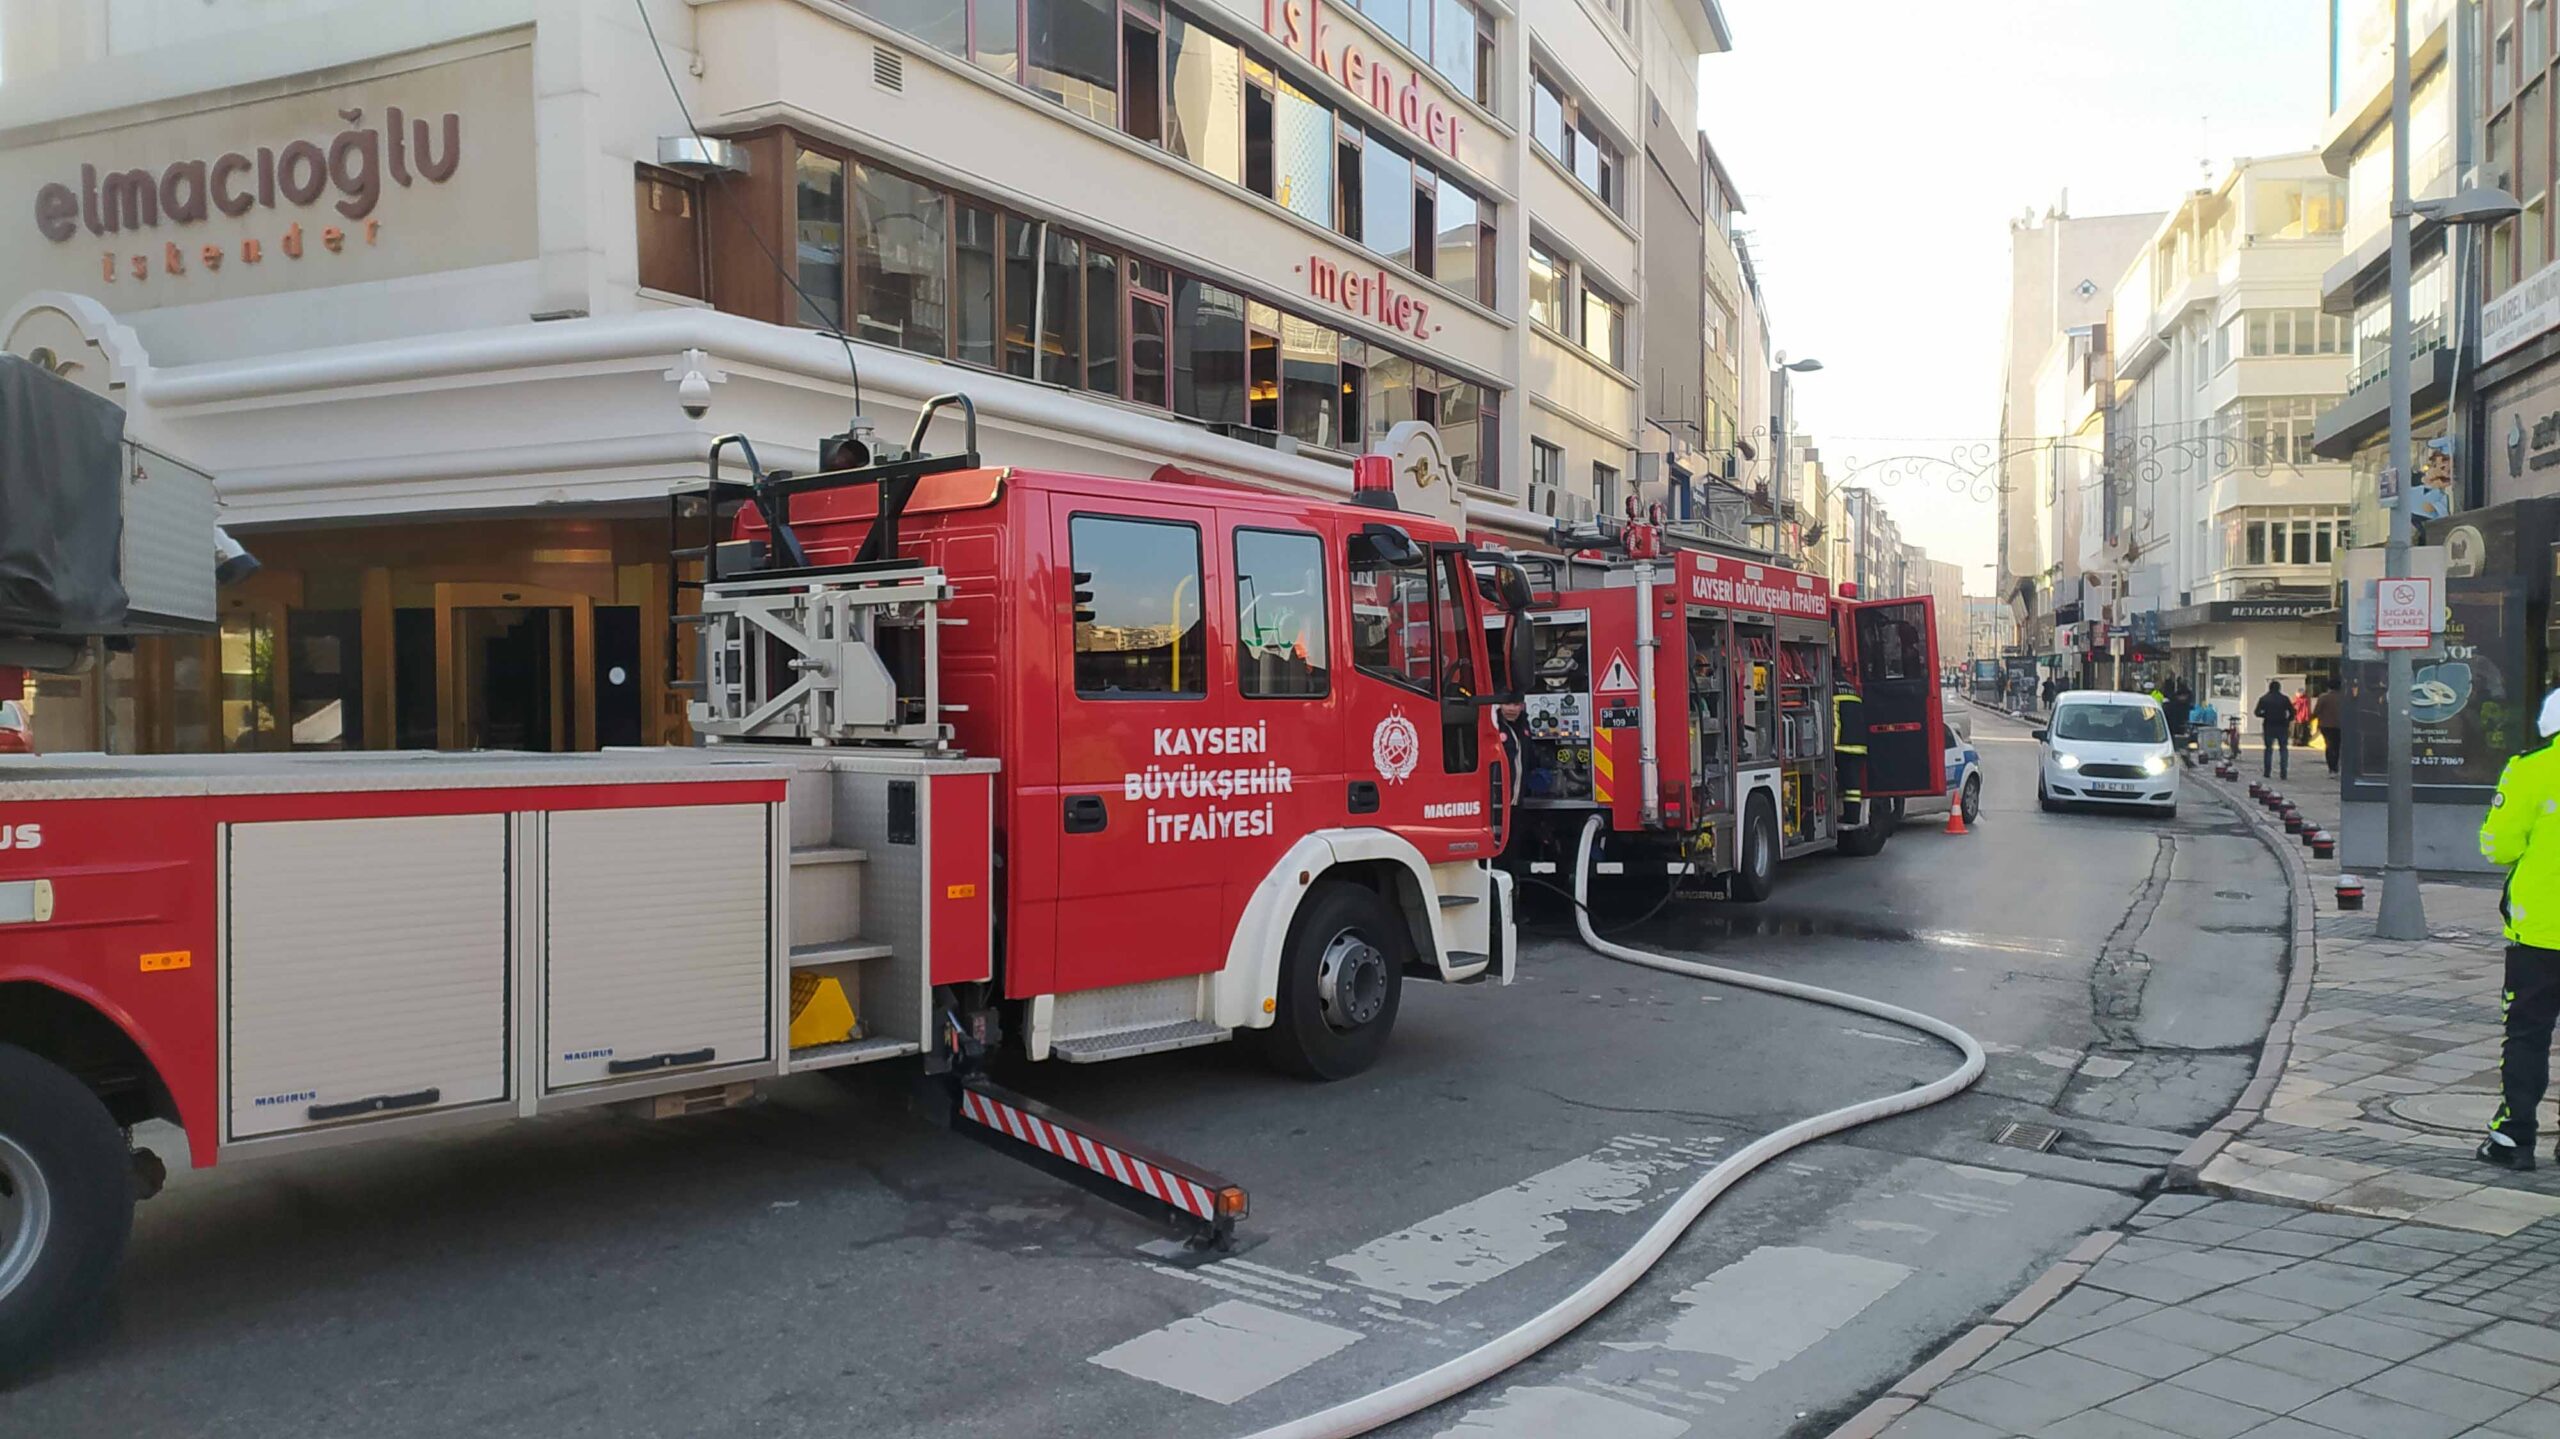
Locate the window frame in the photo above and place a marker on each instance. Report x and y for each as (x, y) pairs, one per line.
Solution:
(1431, 604)
(1324, 607)
(1200, 585)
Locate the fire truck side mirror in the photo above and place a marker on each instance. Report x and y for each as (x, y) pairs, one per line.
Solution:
(1083, 596)
(1387, 545)
(1523, 657)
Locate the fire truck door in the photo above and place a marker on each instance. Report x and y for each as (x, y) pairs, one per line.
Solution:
(1146, 724)
(1894, 654)
(1418, 763)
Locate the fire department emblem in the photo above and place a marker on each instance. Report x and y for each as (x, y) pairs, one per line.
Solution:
(1396, 747)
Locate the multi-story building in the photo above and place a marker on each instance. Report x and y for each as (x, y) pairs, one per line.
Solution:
(2219, 521)
(2061, 270)
(433, 290)
(1991, 627)
(2355, 143)
(1946, 587)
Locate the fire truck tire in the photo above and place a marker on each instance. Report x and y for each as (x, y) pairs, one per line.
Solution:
(1755, 872)
(66, 1203)
(1341, 982)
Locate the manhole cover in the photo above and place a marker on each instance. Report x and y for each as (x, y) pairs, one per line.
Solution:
(2036, 1137)
(2453, 1111)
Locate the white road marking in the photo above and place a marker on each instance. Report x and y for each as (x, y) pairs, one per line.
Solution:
(1227, 1351)
(1454, 1251)
(1548, 1411)
(1894, 1226)
(1228, 1286)
(1282, 1274)
(1887, 1038)
(1777, 1302)
(2099, 1066)
(2006, 1179)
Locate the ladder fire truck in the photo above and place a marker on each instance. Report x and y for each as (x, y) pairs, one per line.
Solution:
(1686, 697)
(1086, 767)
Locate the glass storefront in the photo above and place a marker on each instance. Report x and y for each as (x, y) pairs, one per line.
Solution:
(498, 634)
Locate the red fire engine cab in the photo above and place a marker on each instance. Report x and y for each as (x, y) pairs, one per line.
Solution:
(1091, 767)
(1693, 700)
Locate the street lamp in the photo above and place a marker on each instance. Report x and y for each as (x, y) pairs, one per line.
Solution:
(1778, 455)
(2404, 914)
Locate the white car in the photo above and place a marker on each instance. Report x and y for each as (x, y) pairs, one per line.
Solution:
(2107, 747)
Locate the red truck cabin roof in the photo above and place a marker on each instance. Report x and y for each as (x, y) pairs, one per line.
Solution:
(1181, 680)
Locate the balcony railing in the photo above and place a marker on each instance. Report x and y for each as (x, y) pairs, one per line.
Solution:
(2424, 335)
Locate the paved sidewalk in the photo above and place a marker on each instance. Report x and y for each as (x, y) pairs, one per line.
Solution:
(2231, 1319)
(2391, 1072)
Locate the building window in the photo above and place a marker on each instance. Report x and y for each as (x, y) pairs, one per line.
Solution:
(1137, 608)
(995, 35)
(1102, 321)
(1386, 201)
(1604, 489)
(1453, 37)
(974, 286)
(1021, 293)
(2306, 536)
(1071, 54)
(2268, 431)
(1550, 280)
(1464, 261)
(1303, 154)
(942, 24)
(1546, 477)
(1208, 352)
(1281, 634)
(1142, 80)
(1391, 618)
(670, 208)
(818, 240)
(2294, 332)
(1205, 74)
(1573, 138)
(2296, 209)
(901, 251)
(1603, 328)
(1150, 323)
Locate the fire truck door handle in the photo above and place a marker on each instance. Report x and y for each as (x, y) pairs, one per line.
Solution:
(378, 1104)
(1364, 796)
(682, 1059)
(1085, 814)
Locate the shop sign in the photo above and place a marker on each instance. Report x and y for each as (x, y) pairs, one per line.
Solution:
(1372, 294)
(2243, 611)
(2523, 439)
(1375, 77)
(2521, 313)
(368, 180)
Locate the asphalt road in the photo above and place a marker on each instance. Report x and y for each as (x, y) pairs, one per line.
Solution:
(831, 1262)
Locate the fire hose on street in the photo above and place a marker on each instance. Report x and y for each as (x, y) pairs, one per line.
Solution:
(1456, 1376)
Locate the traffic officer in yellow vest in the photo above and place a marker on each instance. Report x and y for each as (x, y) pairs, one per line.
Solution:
(2522, 832)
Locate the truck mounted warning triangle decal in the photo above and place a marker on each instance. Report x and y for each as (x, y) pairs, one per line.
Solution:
(1619, 677)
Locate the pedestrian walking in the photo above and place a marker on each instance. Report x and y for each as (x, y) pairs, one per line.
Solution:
(2522, 832)
(2275, 735)
(2050, 690)
(2302, 714)
(2324, 718)
(2177, 707)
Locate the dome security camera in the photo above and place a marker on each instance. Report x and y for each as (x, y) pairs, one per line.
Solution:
(694, 393)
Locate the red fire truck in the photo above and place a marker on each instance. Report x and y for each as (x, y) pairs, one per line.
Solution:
(1090, 767)
(1687, 698)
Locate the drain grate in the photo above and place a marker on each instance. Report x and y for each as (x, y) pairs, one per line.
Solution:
(2034, 1137)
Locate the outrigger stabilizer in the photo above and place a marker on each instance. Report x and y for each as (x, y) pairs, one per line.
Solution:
(1199, 1205)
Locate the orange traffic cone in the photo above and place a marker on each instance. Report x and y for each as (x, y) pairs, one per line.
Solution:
(1955, 818)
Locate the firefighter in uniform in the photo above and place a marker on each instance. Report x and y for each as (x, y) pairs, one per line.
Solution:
(1849, 732)
(2522, 832)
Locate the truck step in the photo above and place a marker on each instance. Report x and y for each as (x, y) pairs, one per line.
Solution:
(1095, 1048)
(1457, 901)
(852, 1051)
(828, 854)
(811, 956)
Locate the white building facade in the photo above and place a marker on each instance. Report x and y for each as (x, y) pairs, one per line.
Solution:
(2221, 522)
(419, 285)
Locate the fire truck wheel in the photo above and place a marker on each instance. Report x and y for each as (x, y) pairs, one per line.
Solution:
(1755, 876)
(1340, 984)
(66, 1202)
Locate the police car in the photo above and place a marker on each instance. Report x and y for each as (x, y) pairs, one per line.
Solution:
(1964, 776)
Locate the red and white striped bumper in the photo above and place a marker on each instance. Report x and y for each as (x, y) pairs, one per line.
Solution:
(1113, 1167)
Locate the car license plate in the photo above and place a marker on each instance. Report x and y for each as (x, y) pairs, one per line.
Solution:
(2102, 788)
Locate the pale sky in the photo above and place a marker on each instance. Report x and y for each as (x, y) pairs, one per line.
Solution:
(1882, 147)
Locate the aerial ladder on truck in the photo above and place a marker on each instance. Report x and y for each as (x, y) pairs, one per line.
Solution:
(1075, 767)
(1715, 713)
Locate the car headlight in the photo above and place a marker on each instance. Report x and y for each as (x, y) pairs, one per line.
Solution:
(2158, 764)
(2066, 761)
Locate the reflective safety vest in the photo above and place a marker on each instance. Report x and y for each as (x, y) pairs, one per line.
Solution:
(2522, 832)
